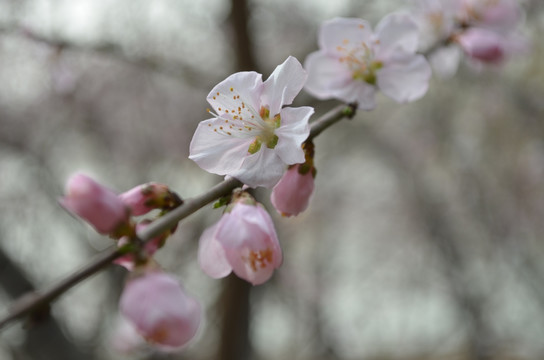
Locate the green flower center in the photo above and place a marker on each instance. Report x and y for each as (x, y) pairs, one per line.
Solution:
(267, 135)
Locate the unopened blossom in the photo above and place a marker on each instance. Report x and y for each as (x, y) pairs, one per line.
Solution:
(146, 197)
(485, 31)
(292, 193)
(94, 203)
(244, 241)
(483, 45)
(354, 62)
(159, 309)
(252, 137)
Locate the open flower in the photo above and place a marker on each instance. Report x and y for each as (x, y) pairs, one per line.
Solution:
(244, 241)
(252, 137)
(353, 61)
(94, 203)
(160, 310)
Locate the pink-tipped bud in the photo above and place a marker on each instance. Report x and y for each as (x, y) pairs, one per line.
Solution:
(293, 192)
(160, 310)
(144, 198)
(94, 203)
(244, 241)
(483, 45)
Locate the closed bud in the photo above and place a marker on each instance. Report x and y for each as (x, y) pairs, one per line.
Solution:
(293, 192)
(94, 203)
(144, 198)
(160, 310)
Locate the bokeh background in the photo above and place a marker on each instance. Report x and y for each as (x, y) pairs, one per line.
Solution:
(424, 239)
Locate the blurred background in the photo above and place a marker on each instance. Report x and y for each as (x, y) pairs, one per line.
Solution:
(424, 239)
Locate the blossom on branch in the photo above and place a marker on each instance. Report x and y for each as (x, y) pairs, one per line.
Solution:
(353, 61)
(146, 197)
(485, 31)
(243, 241)
(94, 203)
(160, 310)
(252, 137)
(292, 193)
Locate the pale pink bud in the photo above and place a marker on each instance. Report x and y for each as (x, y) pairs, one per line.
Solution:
(483, 45)
(94, 203)
(292, 193)
(160, 310)
(244, 241)
(144, 198)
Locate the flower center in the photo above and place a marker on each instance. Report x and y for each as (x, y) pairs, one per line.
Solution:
(243, 121)
(266, 135)
(258, 259)
(360, 60)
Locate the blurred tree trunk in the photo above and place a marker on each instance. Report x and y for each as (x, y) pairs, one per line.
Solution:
(234, 302)
(45, 339)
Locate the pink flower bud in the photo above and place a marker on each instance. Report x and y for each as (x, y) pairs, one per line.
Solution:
(160, 310)
(94, 203)
(292, 193)
(144, 198)
(244, 241)
(483, 45)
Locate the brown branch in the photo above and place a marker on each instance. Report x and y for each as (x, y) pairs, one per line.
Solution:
(37, 300)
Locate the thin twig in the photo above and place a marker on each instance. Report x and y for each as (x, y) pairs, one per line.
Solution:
(331, 117)
(37, 300)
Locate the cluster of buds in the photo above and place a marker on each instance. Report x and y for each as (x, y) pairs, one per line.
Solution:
(487, 32)
(153, 303)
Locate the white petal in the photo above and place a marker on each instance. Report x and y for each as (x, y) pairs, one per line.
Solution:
(396, 33)
(347, 33)
(239, 92)
(405, 80)
(283, 85)
(294, 130)
(211, 255)
(215, 152)
(263, 168)
(325, 75)
(357, 91)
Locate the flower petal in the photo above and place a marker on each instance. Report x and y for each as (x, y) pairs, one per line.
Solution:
(359, 92)
(346, 33)
(405, 80)
(242, 88)
(396, 33)
(216, 152)
(283, 85)
(294, 130)
(157, 305)
(250, 243)
(211, 255)
(325, 75)
(264, 168)
(292, 193)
